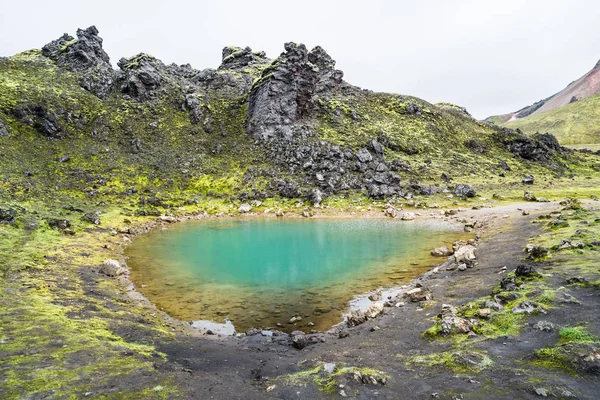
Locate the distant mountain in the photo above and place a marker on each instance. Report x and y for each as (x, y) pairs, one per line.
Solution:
(573, 114)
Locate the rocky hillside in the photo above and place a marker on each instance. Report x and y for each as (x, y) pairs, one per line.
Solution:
(151, 135)
(571, 114)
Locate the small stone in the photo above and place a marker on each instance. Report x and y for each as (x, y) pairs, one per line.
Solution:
(245, 208)
(375, 328)
(112, 268)
(329, 368)
(408, 216)
(443, 251)
(544, 326)
(462, 267)
(541, 392)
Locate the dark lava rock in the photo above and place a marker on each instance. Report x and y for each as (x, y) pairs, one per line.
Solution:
(504, 165)
(508, 283)
(315, 196)
(4, 131)
(526, 271)
(8, 216)
(363, 155)
(142, 76)
(238, 58)
(576, 279)
(377, 147)
(92, 218)
(527, 307)
(544, 326)
(528, 180)
(539, 148)
(464, 191)
(40, 118)
(59, 224)
(536, 252)
(79, 54)
(286, 91)
(504, 298)
(429, 190)
(300, 341)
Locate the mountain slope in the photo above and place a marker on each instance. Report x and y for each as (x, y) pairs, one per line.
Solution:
(575, 123)
(568, 114)
(253, 128)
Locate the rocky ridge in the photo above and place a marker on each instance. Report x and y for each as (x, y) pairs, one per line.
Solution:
(305, 131)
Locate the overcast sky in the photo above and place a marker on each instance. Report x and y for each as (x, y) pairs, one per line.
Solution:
(489, 56)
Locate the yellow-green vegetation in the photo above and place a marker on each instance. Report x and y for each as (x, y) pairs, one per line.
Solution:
(329, 382)
(561, 356)
(58, 332)
(459, 361)
(576, 334)
(575, 123)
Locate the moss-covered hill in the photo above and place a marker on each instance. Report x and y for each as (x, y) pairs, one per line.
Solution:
(572, 115)
(575, 123)
(149, 134)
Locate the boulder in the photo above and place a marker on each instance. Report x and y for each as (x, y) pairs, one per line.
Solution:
(453, 324)
(8, 216)
(244, 208)
(528, 196)
(390, 212)
(535, 252)
(92, 218)
(418, 294)
(357, 317)
(527, 307)
(528, 180)
(508, 283)
(300, 340)
(315, 197)
(528, 271)
(465, 253)
(442, 252)
(408, 216)
(363, 155)
(59, 224)
(112, 268)
(464, 191)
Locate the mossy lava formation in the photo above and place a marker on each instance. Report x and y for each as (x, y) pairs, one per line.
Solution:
(91, 156)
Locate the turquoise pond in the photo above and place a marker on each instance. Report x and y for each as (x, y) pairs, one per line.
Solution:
(262, 272)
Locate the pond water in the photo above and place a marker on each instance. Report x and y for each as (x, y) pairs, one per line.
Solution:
(261, 272)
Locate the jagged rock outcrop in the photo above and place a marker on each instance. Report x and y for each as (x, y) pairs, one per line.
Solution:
(85, 55)
(40, 118)
(142, 77)
(287, 89)
(236, 58)
(79, 54)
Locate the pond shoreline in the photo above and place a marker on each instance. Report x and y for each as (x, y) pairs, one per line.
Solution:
(486, 218)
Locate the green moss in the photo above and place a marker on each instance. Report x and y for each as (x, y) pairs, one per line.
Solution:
(573, 123)
(576, 334)
(459, 362)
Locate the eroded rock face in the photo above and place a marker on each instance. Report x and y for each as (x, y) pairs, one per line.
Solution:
(40, 118)
(238, 58)
(287, 89)
(142, 76)
(79, 54)
(85, 55)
